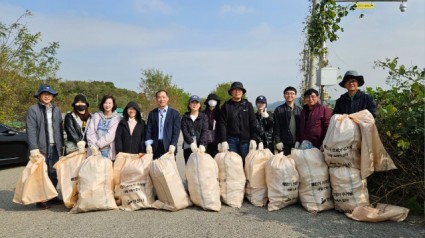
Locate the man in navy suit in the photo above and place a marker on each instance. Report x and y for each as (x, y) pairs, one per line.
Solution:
(163, 127)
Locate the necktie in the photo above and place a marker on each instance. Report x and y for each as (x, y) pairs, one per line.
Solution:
(161, 123)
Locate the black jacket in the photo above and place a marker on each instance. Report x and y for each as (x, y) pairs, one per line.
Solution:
(73, 130)
(360, 101)
(130, 143)
(238, 119)
(282, 118)
(197, 128)
(212, 116)
(265, 130)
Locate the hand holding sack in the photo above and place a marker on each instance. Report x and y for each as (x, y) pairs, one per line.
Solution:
(172, 149)
(193, 147)
(279, 146)
(255, 171)
(67, 171)
(264, 113)
(202, 149)
(81, 146)
(224, 147)
(149, 149)
(34, 184)
(168, 184)
(231, 178)
(252, 145)
(282, 182)
(95, 185)
(202, 181)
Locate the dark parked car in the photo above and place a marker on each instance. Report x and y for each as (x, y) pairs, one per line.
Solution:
(13, 146)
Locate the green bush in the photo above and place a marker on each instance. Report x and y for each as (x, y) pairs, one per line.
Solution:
(400, 123)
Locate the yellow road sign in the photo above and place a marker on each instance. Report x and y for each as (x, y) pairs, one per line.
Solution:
(365, 5)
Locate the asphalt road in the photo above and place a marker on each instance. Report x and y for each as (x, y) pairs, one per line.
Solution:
(249, 221)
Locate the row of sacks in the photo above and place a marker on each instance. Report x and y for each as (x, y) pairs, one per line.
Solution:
(305, 175)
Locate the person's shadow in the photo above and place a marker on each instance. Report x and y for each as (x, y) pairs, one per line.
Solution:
(7, 204)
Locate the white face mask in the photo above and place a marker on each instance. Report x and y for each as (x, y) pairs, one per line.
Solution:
(212, 103)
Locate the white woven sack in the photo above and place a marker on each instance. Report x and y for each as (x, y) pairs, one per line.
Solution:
(231, 178)
(282, 182)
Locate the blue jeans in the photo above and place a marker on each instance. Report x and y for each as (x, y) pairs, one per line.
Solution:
(51, 159)
(237, 146)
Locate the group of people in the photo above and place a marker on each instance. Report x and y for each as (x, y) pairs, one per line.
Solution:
(235, 126)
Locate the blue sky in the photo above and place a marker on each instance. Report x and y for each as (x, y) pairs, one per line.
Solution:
(204, 43)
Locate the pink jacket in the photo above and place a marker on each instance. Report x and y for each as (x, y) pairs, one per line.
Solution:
(107, 139)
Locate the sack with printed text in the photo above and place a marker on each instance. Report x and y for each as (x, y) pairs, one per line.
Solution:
(136, 187)
(314, 190)
(349, 190)
(67, 170)
(342, 142)
(282, 181)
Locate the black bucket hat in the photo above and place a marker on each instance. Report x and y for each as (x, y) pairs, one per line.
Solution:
(236, 85)
(81, 98)
(45, 88)
(352, 74)
(212, 96)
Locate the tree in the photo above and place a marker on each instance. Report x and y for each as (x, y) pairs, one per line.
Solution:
(21, 64)
(222, 91)
(154, 80)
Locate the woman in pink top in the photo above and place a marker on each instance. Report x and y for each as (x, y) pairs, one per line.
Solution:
(102, 128)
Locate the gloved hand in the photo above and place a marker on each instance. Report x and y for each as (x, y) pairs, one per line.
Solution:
(297, 144)
(279, 146)
(201, 149)
(264, 113)
(81, 146)
(149, 149)
(94, 150)
(171, 149)
(193, 147)
(260, 146)
(35, 152)
(252, 145)
(224, 146)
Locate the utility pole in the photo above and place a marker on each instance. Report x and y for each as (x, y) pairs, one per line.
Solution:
(312, 58)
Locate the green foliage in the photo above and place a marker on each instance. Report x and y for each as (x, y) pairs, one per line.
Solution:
(21, 66)
(154, 80)
(222, 92)
(18, 52)
(324, 24)
(400, 122)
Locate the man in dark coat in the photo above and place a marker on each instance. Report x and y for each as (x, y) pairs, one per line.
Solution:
(314, 119)
(287, 122)
(237, 125)
(163, 127)
(130, 134)
(354, 100)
